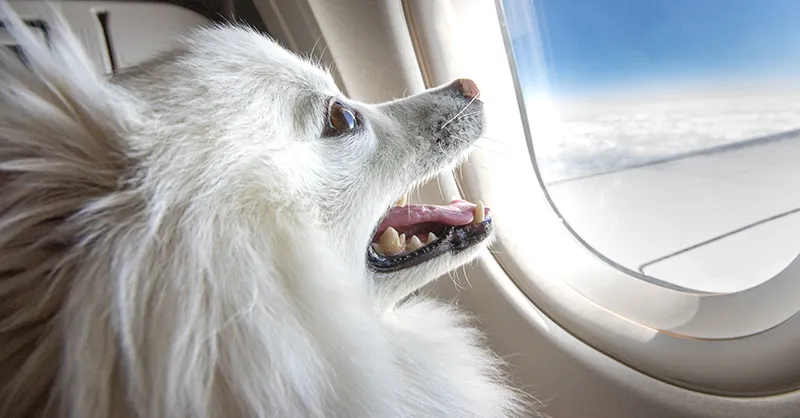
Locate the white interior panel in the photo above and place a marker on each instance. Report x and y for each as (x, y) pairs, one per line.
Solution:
(132, 32)
(137, 31)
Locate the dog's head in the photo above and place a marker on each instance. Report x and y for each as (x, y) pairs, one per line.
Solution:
(273, 131)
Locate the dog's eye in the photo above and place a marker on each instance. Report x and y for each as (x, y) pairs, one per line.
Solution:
(341, 119)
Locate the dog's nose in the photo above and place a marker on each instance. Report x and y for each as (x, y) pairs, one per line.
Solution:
(467, 88)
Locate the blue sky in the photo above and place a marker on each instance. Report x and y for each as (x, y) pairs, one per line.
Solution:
(605, 44)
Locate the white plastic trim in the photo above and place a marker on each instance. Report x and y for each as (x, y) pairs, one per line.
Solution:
(741, 343)
(136, 30)
(563, 371)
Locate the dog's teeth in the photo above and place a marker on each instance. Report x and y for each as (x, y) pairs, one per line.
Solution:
(402, 240)
(377, 248)
(390, 242)
(414, 244)
(402, 202)
(479, 215)
(431, 238)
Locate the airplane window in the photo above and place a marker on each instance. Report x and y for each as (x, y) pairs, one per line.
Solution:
(667, 134)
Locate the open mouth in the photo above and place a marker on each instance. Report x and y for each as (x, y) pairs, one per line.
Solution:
(409, 235)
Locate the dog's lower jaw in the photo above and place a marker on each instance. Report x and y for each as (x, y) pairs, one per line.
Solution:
(392, 288)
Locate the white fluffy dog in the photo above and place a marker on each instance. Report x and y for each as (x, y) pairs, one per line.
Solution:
(207, 235)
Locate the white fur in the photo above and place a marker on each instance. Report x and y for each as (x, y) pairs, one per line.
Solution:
(179, 242)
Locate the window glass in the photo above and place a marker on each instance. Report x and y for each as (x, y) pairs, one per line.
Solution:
(667, 133)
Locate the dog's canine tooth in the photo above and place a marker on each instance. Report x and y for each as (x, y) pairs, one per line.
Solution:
(377, 248)
(414, 244)
(431, 238)
(402, 201)
(479, 213)
(390, 242)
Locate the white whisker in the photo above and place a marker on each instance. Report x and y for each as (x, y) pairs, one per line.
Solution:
(466, 115)
(311, 54)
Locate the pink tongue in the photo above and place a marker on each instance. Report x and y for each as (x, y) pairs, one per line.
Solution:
(457, 212)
